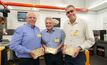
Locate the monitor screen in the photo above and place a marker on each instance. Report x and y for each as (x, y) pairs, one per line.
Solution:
(21, 16)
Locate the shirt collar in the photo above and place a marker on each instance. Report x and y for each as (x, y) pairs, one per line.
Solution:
(30, 25)
(76, 22)
(52, 30)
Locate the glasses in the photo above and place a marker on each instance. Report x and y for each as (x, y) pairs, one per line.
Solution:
(70, 11)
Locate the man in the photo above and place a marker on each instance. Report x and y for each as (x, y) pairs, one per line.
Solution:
(78, 36)
(52, 38)
(25, 40)
(2, 27)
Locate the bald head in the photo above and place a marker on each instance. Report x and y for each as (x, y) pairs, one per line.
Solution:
(31, 18)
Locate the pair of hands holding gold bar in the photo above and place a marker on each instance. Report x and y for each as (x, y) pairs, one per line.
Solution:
(65, 49)
(41, 51)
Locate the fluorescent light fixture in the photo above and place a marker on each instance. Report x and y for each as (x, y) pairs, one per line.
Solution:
(35, 9)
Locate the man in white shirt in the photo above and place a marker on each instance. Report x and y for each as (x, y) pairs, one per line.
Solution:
(78, 36)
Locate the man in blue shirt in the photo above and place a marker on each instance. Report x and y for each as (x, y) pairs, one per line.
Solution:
(25, 40)
(52, 38)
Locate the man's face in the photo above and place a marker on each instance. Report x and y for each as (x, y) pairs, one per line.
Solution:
(31, 18)
(49, 24)
(71, 13)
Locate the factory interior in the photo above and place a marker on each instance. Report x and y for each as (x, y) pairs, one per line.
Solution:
(94, 12)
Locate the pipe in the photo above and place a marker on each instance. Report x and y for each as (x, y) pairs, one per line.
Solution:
(5, 6)
(40, 6)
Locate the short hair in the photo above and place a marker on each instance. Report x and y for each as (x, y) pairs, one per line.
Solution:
(30, 13)
(48, 18)
(70, 6)
(51, 19)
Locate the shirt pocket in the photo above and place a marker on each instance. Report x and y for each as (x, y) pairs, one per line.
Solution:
(75, 33)
(38, 35)
(56, 40)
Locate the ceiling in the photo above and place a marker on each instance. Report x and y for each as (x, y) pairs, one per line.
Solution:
(99, 6)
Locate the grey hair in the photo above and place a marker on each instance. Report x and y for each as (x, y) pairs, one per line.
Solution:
(48, 18)
(28, 13)
(53, 20)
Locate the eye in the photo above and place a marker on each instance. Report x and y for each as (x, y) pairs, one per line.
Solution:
(70, 11)
(32, 17)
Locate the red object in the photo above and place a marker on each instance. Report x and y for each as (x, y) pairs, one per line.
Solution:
(5, 6)
(40, 6)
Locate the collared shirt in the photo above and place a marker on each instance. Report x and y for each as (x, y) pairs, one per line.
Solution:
(25, 39)
(78, 34)
(54, 38)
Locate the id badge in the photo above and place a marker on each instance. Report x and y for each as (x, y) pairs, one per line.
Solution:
(39, 35)
(75, 33)
(56, 40)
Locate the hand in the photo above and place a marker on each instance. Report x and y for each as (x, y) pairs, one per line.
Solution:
(76, 51)
(5, 33)
(63, 49)
(32, 53)
(43, 49)
(56, 51)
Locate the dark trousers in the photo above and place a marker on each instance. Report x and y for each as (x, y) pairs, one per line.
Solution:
(28, 61)
(56, 59)
(1, 36)
(79, 60)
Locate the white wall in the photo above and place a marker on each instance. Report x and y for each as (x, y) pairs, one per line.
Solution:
(101, 14)
(102, 17)
(90, 18)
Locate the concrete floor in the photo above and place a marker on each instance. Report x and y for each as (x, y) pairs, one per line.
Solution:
(98, 60)
(94, 60)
